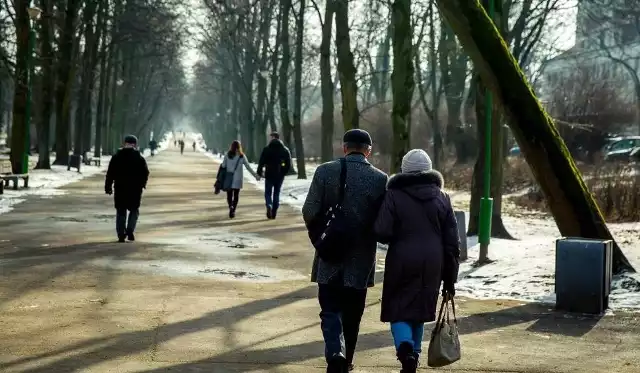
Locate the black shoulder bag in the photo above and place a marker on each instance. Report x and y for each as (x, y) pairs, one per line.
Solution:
(330, 236)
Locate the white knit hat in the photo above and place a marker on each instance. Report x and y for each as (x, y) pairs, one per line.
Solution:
(416, 160)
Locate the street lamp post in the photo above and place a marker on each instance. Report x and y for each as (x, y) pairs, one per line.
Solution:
(34, 15)
(486, 202)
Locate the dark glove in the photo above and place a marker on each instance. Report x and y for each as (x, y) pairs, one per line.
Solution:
(108, 191)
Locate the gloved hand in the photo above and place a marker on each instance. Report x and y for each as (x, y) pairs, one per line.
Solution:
(448, 290)
(108, 191)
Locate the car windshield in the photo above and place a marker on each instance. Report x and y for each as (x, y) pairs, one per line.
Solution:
(622, 145)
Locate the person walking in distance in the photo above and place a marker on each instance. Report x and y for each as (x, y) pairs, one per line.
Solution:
(276, 158)
(417, 221)
(128, 175)
(181, 146)
(343, 282)
(194, 146)
(232, 176)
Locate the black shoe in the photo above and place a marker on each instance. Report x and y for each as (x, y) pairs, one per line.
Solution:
(130, 236)
(121, 238)
(269, 213)
(274, 212)
(407, 358)
(232, 213)
(337, 364)
(351, 367)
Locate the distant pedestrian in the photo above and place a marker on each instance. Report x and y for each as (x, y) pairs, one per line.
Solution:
(344, 276)
(194, 146)
(181, 146)
(128, 175)
(418, 222)
(231, 175)
(276, 158)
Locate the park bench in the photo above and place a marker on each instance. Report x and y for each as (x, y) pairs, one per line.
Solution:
(89, 160)
(6, 178)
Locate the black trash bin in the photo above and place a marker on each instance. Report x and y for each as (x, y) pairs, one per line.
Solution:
(584, 270)
(75, 161)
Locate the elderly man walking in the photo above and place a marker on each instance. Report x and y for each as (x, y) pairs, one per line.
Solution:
(344, 276)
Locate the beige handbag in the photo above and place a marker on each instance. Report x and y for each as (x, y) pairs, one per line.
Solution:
(444, 347)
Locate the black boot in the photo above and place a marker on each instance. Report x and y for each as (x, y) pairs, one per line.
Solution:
(274, 212)
(232, 212)
(337, 364)
(269, 213)
(407, 358)
(130, 236)
(121, 238)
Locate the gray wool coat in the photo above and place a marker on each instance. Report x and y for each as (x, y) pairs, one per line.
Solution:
(364, 193)
(238, 175)
(417, 221)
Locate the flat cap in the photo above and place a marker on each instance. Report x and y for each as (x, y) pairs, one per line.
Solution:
(130, 139)
(357, 136)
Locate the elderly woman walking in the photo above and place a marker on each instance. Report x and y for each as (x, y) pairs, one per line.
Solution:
(231, 175)
(417, 221)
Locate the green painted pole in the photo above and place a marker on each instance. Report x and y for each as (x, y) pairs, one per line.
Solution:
(486, 202)
(27, 114)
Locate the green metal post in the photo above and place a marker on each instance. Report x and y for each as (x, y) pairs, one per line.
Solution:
(486, 203)
(27, 114)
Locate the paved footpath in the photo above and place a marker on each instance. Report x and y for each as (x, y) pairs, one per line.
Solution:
(201, 293)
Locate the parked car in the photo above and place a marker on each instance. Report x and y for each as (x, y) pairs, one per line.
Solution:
(620, 149)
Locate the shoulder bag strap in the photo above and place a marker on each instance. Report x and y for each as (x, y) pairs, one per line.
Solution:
(237, 164)
(343, 179)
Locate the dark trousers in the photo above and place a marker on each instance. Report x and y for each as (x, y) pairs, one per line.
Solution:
(124, 225)
(272, 193)
(233, 195)
(340, 315)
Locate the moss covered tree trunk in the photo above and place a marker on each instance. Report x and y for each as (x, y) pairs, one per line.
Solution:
(346, 67)
(498, 229)
(402, 82)
(572, 205)
(21, 88)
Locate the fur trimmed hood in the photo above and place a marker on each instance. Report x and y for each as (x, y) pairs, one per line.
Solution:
(401, 181)
(422, 186)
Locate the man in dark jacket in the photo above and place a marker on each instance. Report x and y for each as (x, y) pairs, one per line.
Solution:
(128, 173)
(277, 160)
(342, 286)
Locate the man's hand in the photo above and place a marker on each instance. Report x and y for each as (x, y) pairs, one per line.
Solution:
(108, 191)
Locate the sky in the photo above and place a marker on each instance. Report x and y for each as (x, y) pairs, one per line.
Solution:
(562, 28)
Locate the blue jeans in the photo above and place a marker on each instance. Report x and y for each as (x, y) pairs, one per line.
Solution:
(408, 332)
(272, 193)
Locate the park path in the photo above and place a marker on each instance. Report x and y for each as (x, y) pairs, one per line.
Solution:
(201, 293)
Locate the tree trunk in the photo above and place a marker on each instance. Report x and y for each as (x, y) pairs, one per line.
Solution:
(48, 85)
(572, 205)
(19, 131)
(64, 79)
(105, 77)
(284, 73)
(438, 142)
(273, 85)
(326, 85)
(498, 229)
(346, 67)
(297, 106)
(261, 119)
(402, 82)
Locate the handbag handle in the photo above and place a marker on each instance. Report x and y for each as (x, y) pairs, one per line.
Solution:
(443, 314)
